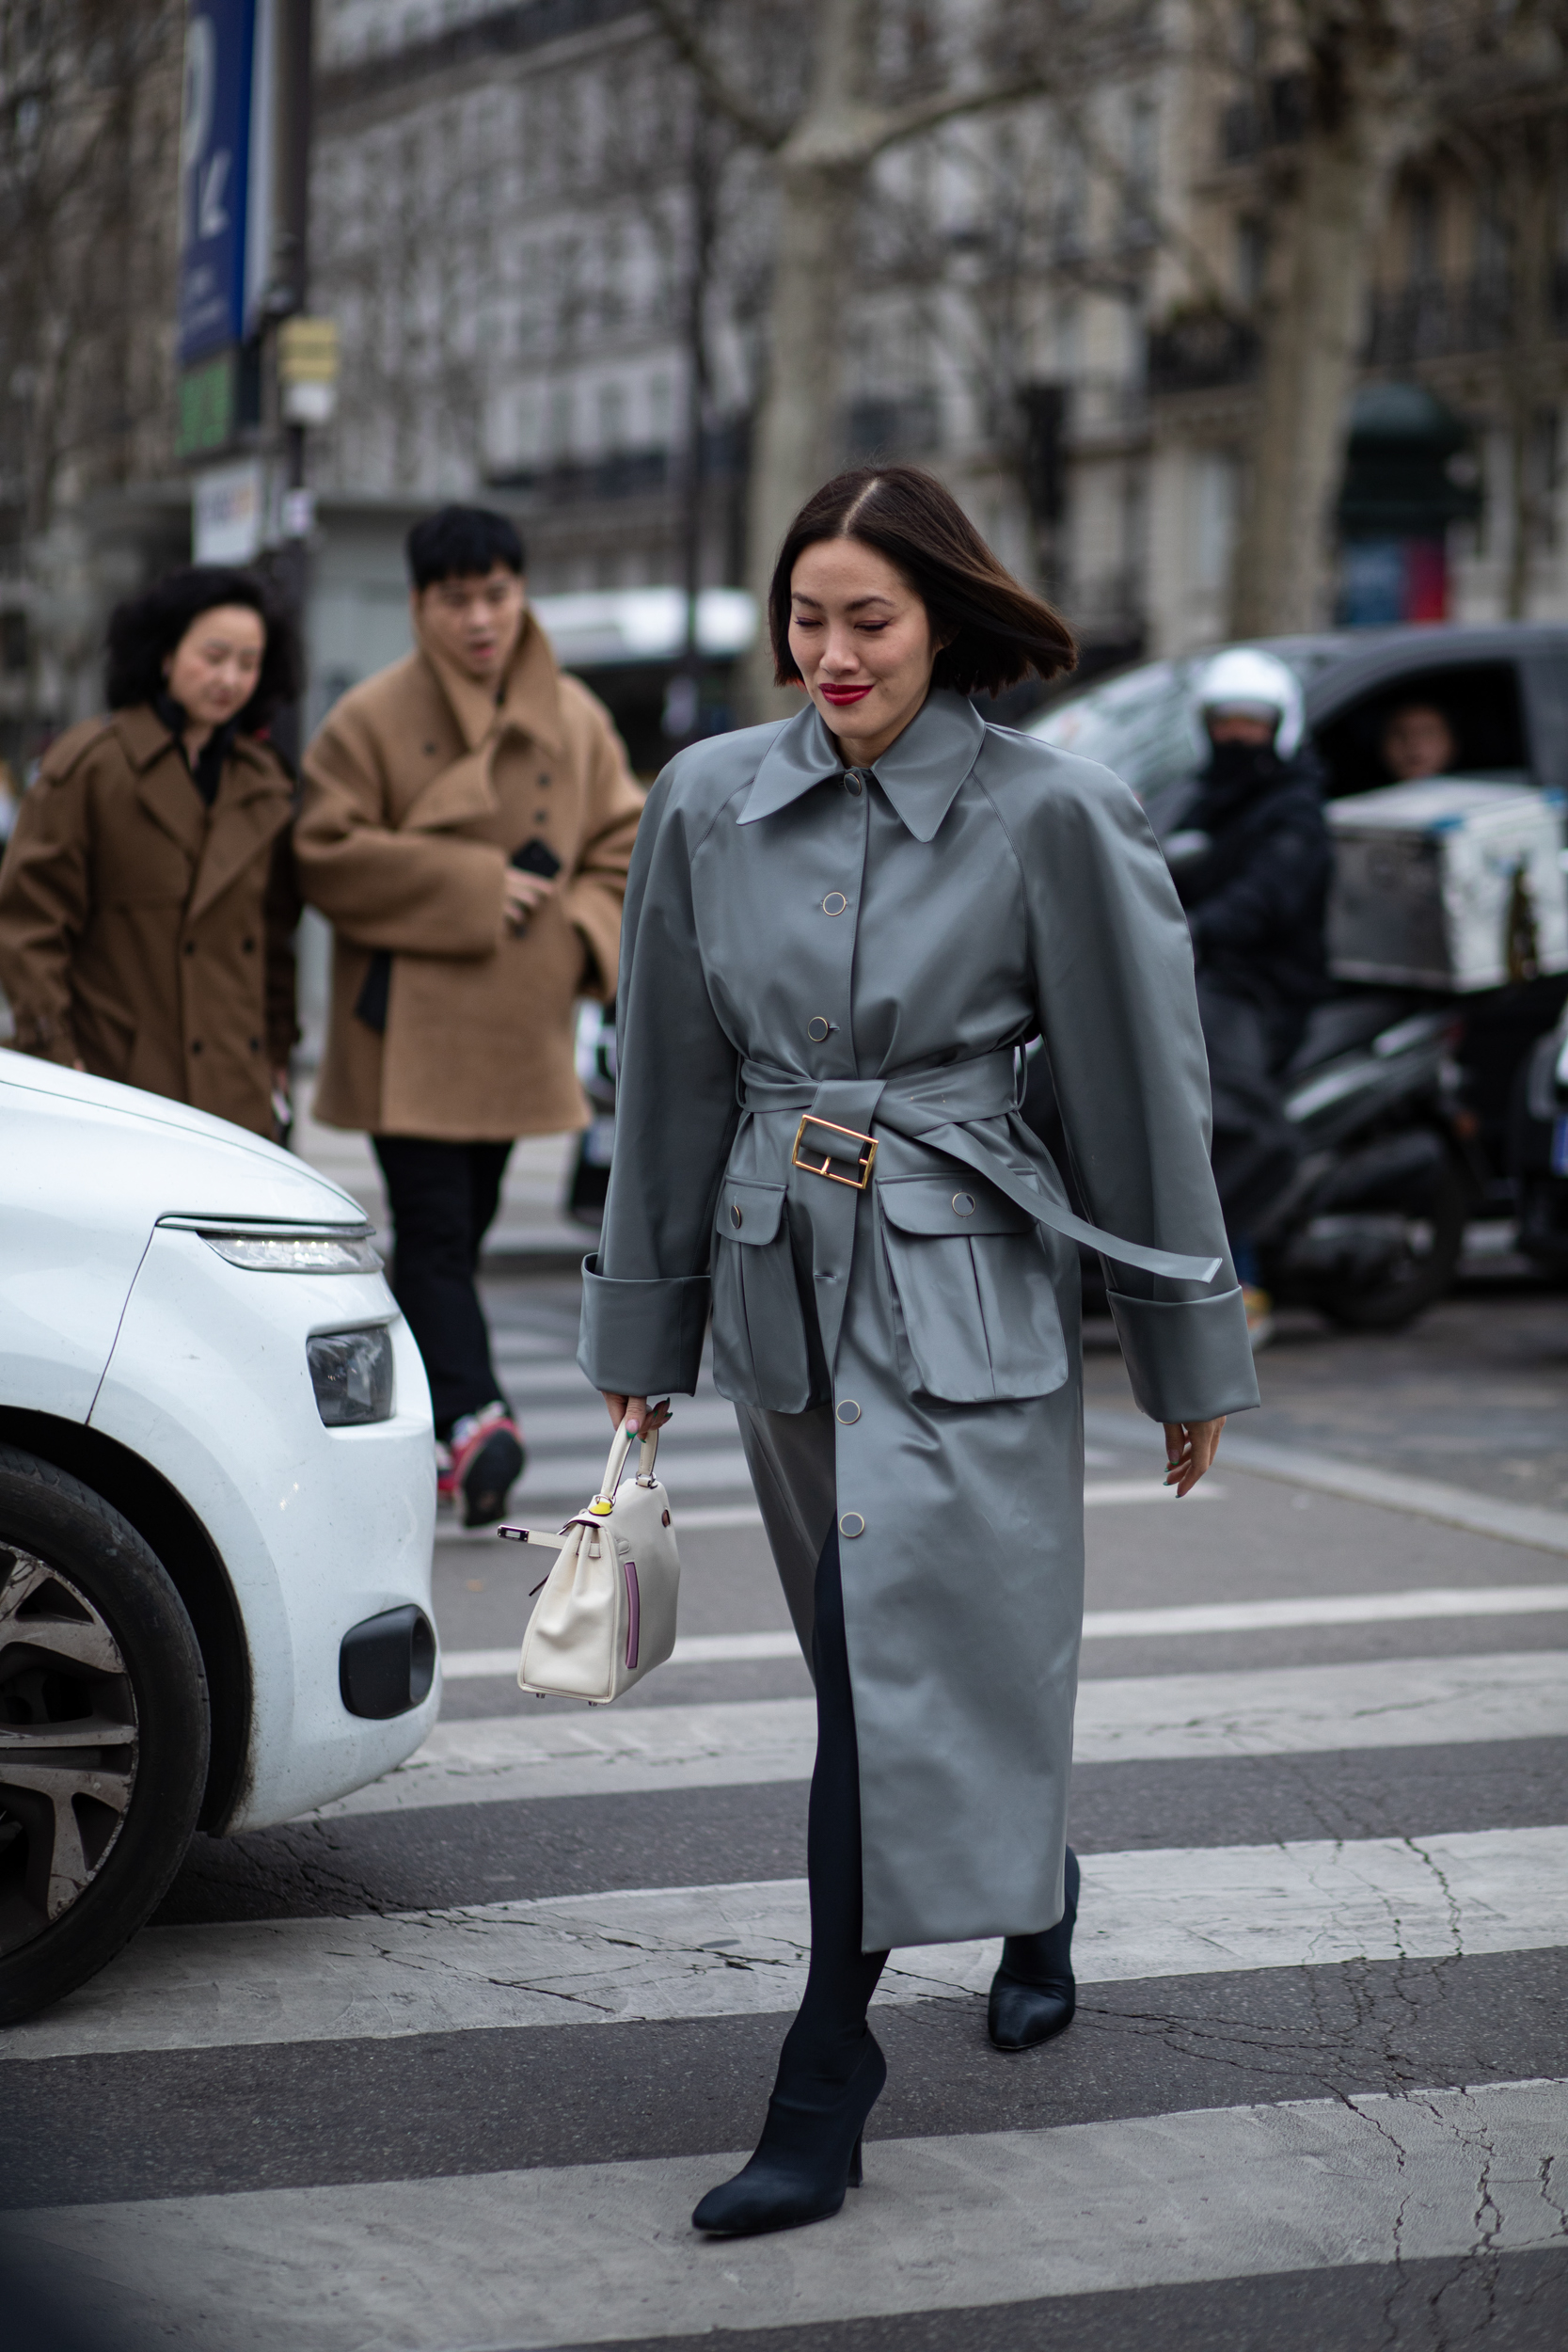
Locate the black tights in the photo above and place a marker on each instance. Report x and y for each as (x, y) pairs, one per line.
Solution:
(828, 2037)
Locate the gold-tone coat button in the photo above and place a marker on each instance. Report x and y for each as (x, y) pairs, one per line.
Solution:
(736, 1217)
(819, 1030)
(853, 787)
(851, 1524)
(835, 903)
(964, 1204)
(847, 1410)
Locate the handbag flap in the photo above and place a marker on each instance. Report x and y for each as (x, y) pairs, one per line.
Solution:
(958, 1205)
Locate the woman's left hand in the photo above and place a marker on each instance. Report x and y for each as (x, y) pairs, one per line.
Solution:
(1190, 1450)
(647, 1420)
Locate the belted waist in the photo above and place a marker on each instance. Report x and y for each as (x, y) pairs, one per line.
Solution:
(935, 1108)
(986, 1086)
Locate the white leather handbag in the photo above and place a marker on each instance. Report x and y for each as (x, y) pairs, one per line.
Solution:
(605, 1612)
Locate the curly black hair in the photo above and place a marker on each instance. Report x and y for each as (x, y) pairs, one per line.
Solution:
(144, 630)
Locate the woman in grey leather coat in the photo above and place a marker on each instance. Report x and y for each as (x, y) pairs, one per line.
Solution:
(838, 933)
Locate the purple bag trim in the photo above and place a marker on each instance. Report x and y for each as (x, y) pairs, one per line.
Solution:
(634, 1602)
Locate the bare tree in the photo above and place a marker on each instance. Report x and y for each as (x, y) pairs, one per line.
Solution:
(89, 163)
(1368, 83)
(858, 98)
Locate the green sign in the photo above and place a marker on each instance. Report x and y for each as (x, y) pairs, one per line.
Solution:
(208, 406)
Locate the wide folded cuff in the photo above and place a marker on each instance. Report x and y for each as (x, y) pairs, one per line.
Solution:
(642, 1338)
(1188, 1359)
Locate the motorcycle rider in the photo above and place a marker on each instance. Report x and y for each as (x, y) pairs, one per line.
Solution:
(1254, 883)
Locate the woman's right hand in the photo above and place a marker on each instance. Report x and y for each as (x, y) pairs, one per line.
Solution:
(646, 1421)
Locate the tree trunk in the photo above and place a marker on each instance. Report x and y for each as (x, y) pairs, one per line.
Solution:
(821, 172)
(1356, 135)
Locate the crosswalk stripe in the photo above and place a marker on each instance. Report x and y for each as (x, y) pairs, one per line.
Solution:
(1112, 1625)
(1381, 1703)
(569, 2254)
(710, 1951)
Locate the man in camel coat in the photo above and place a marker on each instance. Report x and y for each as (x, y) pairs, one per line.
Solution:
(467, 824)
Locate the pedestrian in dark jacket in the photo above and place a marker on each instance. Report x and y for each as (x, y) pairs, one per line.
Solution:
(1255, 890)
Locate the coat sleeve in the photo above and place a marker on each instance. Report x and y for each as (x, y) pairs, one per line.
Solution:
(596, 891)
(1118, 1012)
(645, 1294)
(45, 897)
(417, 894)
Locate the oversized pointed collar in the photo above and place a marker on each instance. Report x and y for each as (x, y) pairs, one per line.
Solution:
(530, 701)
(921, 771)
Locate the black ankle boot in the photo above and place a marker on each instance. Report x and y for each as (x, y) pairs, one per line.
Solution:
(808, 2155)
(1033, 1995)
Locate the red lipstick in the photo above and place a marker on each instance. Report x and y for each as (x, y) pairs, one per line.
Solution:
(845, 694)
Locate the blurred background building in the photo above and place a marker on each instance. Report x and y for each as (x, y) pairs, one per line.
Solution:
(1094, 258)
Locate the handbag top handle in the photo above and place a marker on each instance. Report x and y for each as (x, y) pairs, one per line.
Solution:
(604, 1502)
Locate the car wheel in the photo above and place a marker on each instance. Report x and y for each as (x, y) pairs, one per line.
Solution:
(1419, 1274)
(103, 1733)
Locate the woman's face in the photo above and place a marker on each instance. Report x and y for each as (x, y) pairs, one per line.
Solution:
(862, 640)
(212, 671)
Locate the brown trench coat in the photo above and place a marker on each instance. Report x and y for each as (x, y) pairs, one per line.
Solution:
(418, 789)
(145, 935)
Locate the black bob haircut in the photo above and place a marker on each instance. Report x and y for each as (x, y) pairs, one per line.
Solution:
(462, 543)
(997, 632)
(144, 630)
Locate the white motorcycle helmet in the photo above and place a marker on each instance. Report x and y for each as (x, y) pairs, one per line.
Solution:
(1244, 677)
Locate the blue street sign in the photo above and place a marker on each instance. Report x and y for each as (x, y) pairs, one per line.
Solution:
(215, 174)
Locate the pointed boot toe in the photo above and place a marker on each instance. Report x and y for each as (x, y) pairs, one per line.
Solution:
(1020, 2016)
(809, 2155)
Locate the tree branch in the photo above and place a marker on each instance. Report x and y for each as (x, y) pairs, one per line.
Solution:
(890, 124)
(712, 80)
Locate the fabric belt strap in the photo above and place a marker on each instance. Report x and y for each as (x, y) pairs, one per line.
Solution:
(934, 1107)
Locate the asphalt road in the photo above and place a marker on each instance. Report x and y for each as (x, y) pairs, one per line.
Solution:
(448, 2065)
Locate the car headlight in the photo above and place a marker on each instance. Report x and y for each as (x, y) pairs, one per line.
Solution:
(352, 1374)
(298, 1253)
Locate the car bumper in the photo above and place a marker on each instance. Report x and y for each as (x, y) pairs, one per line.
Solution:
(318, 1528)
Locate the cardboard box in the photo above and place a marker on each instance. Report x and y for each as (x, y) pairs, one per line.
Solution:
(1447, 884)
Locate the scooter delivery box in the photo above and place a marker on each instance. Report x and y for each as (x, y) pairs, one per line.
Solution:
(1447, 884)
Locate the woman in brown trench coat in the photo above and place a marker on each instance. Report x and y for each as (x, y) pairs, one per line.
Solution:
(147, 899)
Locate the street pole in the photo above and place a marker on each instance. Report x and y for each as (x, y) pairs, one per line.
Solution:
(287, 298)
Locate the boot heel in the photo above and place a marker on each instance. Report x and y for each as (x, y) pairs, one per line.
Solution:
(855, 2165)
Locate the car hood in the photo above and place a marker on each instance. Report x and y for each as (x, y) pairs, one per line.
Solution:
(124, 1158)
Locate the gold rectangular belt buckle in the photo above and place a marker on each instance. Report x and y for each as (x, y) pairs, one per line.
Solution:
(825, 1167)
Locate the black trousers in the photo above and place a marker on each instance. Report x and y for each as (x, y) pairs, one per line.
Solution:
(827, 2038)
(1255, 1150)
(443, 1199)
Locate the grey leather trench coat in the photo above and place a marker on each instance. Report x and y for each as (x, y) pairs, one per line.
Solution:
(825, 978)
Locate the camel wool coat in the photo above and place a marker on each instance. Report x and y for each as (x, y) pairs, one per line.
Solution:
(145, 935)
(825, 976)
(419, 787)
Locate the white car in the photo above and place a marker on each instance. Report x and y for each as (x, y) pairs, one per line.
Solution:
(217, 1498)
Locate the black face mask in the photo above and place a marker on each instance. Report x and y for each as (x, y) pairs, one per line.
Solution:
(1237, 769)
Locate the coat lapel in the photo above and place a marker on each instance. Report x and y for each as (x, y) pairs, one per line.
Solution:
(921, 772)
(529, 705)
(164, 787)
(252, 808)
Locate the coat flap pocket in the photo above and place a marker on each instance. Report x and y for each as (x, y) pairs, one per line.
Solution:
(749, 1209)
(949, 1205)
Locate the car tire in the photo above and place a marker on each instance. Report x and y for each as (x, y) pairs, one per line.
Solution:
(92, 1826)
(1414, 1280)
